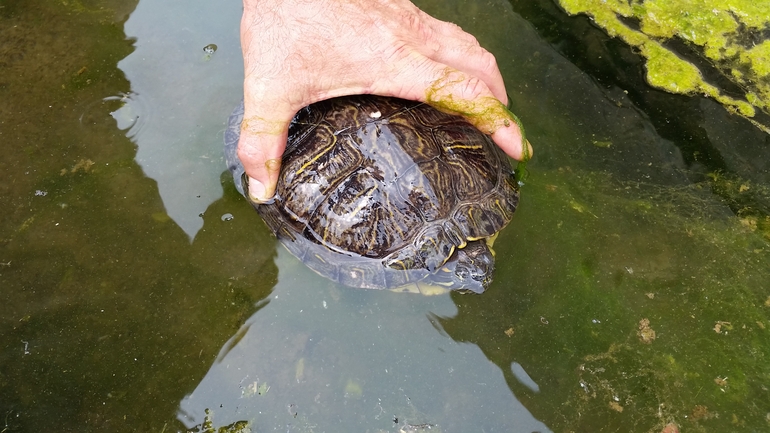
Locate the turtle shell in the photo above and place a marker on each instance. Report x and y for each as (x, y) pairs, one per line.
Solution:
(385, 193)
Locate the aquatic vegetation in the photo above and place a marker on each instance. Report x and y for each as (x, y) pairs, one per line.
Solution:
(623, 236)
(749, 201)
(663, 295)
(208, 426)
(714, 48)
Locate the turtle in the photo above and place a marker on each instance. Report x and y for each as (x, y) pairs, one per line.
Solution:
(384, 193)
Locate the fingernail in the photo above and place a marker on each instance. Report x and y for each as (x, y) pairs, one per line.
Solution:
(530, 150)
(256, 190)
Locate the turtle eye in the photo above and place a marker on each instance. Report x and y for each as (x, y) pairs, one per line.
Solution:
(462, 273)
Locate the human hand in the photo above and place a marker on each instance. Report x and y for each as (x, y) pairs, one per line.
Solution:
(297, 52)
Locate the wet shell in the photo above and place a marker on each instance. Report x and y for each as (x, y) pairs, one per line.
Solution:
(384, 193)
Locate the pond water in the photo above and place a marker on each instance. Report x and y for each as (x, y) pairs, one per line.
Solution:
(140, 292)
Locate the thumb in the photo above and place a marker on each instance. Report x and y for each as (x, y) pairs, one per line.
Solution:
(260, 148)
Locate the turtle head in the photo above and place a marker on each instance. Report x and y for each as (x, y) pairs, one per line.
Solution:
(470, 268)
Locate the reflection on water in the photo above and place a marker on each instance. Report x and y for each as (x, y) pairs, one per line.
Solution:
(319, 357)
(631, 289)
(179, 82)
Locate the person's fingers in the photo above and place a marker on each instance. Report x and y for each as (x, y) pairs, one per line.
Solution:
(474, 61)
(450, 30)
(513, 142)
(447, 43)
(420, 58)
(454, 91)
(260, 148)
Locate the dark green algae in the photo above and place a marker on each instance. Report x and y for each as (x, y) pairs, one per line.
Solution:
(628, 254)
(731, 38)
(637, 231)
(590, 255)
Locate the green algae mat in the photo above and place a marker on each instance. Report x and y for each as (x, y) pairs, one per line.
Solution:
(713, 47)
(632, 290)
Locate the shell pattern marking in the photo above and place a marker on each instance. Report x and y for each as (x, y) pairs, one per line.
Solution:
(385, 184)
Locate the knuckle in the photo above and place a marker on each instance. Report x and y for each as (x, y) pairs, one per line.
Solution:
(463, 35)
(417, 26)
(396, 53)
(474, 87)
(245, 153)
(453, 27)
(488, 62)
(473, 42)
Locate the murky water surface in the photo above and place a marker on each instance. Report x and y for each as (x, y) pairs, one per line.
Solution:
(141, 293)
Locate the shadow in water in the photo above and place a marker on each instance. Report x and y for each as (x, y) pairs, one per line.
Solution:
(317, 356)
(110, 316)
(708, 137)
